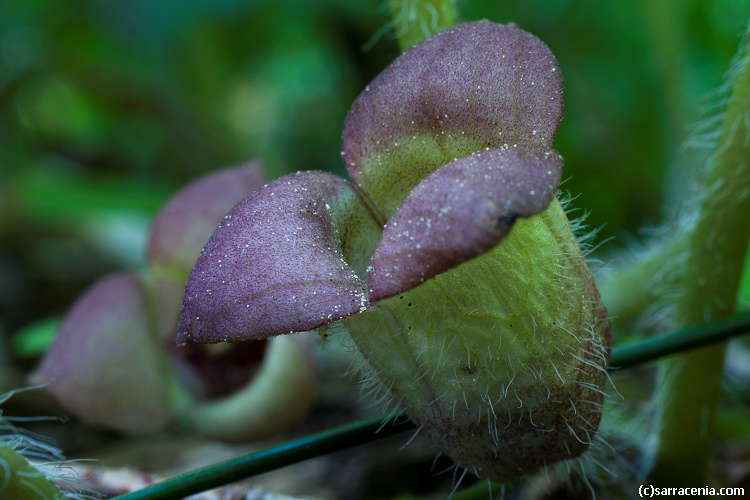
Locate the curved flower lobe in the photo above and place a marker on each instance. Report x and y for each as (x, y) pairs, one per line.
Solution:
(460, 211)
(186, 222)
(475, 86)
(284, 260)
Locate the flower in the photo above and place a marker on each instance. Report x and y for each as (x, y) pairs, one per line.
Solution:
(448, 258)
(114, 362)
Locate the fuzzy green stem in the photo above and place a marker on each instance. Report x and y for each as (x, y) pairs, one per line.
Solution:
(645, 282)
(689, 384)
(415, 20)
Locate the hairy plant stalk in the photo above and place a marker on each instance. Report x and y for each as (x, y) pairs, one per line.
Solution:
(415, 20)
(19, 479)
(689, 383)
(647, 283)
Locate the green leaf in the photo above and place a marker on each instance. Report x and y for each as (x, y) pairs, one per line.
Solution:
(33, 340)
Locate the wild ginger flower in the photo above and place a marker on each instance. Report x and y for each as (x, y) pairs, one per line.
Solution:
(114, 362)
(494, 340)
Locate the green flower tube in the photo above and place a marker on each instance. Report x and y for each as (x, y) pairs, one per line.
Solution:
(448, 258)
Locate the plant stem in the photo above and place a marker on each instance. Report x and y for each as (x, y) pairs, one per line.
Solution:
(691, 337)
(273, 458)
(689, 384)
(645, 282)
(415, 20)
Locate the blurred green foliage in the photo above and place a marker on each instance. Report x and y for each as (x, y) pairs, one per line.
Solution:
(107, 107)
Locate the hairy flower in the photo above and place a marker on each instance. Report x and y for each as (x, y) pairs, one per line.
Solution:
(448, 258)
